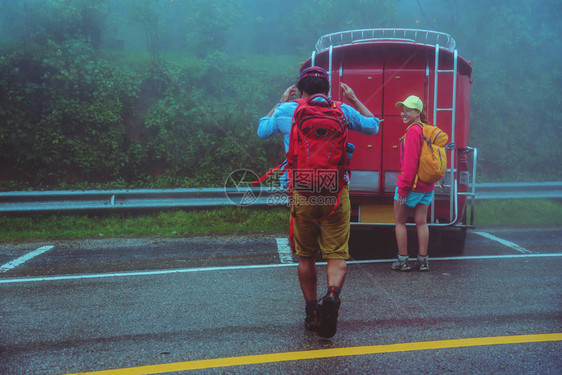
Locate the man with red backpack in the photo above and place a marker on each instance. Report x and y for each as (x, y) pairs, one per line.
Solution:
(315, 133)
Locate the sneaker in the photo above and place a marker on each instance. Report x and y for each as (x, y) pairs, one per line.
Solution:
(401, 264)
(329, 315)
(421, 264)
(312, 320)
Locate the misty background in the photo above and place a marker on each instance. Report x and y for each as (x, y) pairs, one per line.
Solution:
(168, 93)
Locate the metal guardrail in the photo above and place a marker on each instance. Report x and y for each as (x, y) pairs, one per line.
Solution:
(37, 201)
(45, 201)
(519, 190)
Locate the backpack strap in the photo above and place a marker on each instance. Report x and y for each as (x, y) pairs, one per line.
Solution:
(415, 182)
(269, 173)
(291, 232)
(403, 139)
(327, 102)
(420, 124)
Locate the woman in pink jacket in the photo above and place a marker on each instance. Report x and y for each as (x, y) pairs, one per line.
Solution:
(409, 199)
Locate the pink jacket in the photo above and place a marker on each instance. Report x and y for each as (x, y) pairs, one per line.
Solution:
(410, 150)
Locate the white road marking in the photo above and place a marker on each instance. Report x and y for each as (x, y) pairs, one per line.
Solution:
(284, 250)
(24, 258)
(507, 243)
(249, 267)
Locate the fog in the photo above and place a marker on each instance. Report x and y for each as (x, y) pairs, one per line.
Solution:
(168, 93)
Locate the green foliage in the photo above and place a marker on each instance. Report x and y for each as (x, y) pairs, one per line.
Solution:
(87, 121)
(62, 115)
(79, 110)
(515, 102)
(208, 24)
(40, 21)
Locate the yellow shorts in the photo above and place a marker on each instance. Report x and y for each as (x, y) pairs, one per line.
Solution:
(329, 236)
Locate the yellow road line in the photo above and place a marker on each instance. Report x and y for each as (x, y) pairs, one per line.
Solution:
(327, 353)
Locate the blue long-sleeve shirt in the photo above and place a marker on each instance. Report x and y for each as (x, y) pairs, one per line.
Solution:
(281, 121)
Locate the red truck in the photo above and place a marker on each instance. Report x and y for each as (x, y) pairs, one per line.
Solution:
(384, 66)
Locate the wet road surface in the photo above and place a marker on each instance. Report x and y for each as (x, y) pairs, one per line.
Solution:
(78, 306)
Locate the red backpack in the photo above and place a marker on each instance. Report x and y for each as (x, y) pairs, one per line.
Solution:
(317, 161)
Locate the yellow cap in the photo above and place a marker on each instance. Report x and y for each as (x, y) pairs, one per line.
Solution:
(411, 101)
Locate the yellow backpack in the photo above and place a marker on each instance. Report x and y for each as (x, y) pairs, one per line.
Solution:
(433, 158)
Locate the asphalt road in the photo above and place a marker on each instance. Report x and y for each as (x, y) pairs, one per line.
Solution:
(72, 306)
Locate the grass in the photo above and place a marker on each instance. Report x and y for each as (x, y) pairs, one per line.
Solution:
(512, 212)
(158, 224)
(237, 220)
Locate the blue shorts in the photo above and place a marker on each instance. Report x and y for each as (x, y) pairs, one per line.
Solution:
(413, 198)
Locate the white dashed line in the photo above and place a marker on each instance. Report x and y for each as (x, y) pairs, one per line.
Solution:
(507, 243)
(24, 258)
(284, 249)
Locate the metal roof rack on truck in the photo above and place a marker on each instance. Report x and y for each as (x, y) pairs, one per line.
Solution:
(424, 37)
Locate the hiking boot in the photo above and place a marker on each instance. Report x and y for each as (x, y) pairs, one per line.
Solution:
(312, 320)
(401, 264)
(329, 315)
(421, 264)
